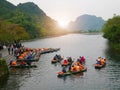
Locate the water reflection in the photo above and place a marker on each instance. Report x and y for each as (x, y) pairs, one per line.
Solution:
(16, 71)
(72, 76)
(3, 81)
(112, 54)
(113, 68)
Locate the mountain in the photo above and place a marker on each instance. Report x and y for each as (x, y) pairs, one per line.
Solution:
(31, 9)
(87, 23)
(25, 20)
(5, 8)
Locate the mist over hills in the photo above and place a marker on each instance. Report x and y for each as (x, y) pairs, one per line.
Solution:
(28, 21)
(87, 23)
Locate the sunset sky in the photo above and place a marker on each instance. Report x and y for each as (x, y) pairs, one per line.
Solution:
(68, 10)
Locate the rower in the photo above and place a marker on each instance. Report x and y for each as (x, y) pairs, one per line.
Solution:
(64, 70)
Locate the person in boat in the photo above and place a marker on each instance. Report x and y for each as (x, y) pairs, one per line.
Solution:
(81, 67)
(70, 60)
(59, 57)
(77, 68)
(55, 57)
(65, 62)
(13, 63)
(77, 63)
(79, 60)
(72, 68)
(29, 57)
(82, 59)
(64, 70)
(102, 61)
(98, 60)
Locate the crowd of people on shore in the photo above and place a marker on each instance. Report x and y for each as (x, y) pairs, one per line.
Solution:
(13, 47)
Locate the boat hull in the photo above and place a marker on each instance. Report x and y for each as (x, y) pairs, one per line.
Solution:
(33, 60)
(70, 73)
(26, 66)
(99, 66)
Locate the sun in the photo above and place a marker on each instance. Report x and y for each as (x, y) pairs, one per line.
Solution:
(63, 24)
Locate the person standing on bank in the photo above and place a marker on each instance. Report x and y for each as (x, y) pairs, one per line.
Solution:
(12, 48)
(9, 50)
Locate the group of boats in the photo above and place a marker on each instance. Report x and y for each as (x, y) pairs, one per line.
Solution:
(69, 66)
(75, 67)
(29, 56)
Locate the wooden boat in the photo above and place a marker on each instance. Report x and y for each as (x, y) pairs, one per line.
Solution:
(24, 66)
(55, 49)
(61, 74)
(55, 61)
(50, 50)
(28, 60)
(33, 58)
(98, 66)
(57, 58)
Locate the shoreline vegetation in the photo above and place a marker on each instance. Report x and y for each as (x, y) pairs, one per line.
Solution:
(111, 32)
(3, 68)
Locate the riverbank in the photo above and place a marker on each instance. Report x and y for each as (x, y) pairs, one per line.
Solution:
(4, 62)
(6, 56)
(3, 67)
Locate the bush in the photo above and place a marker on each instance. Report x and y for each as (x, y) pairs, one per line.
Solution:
(3, 67)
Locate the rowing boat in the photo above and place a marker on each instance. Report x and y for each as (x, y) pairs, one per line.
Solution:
(61, 74)
(50, 50)
(23, 66)
(28, 60)
(98, 66)
(55, 61)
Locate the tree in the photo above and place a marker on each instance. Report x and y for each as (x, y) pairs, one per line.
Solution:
(10, 32)
(112, 32)
(112, 29)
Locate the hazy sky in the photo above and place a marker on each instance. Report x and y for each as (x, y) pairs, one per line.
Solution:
(69, 10)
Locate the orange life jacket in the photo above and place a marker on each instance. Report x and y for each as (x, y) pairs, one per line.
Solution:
(13, 63)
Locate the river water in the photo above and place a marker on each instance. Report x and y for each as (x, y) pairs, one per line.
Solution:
(44, 77)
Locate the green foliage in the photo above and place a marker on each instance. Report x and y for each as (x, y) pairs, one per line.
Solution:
(31, 9)
(112, 29)
(10, 32)
(5, 8)
(25, 21)
(112, 32)
(3, 67)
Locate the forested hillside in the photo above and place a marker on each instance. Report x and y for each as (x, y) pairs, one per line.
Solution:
(25, 21)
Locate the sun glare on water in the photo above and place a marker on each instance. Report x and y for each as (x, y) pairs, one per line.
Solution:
(63, 24)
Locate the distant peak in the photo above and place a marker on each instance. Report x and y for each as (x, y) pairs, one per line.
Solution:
(30, 8)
